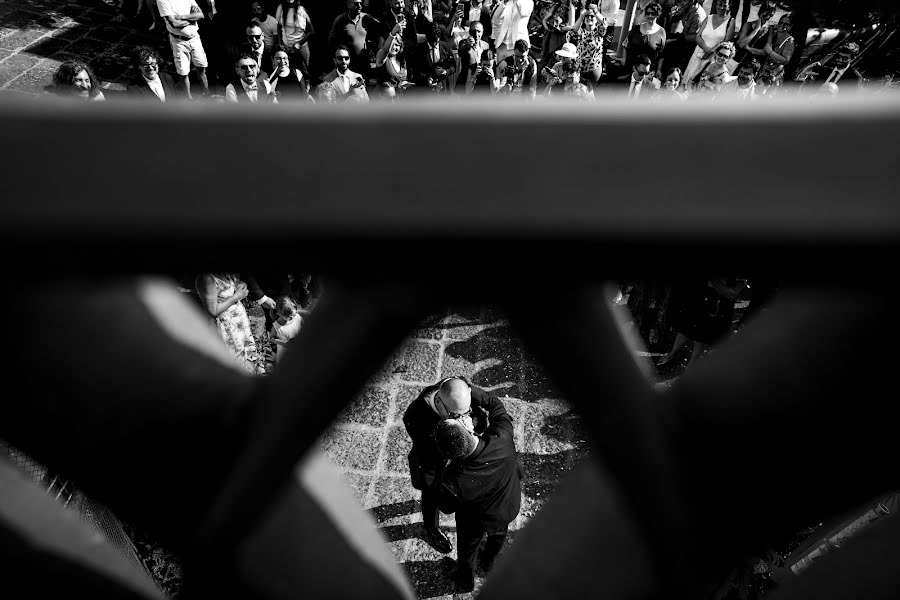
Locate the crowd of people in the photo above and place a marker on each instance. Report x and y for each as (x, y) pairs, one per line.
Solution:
(262, 52)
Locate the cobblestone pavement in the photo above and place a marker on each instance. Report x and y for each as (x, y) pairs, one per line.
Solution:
(370, 444)
(36, 36)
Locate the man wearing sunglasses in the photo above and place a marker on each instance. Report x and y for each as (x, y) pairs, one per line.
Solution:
(451, 398)
(255, 47)
(343, 81)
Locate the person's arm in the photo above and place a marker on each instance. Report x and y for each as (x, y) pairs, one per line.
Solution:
(787, 51)
(230, 93)
(498, 418)
(570, 24)
(308, 33)
(729, 31)
(209, 294)
(382, 55)
(256, 293)
(661, 51)
(195, 15)
(448, 65)
(525, 7)
(501, 76)
(576, 26)
(699, 38)
(332, 34)
(532, 88)
(745, 36)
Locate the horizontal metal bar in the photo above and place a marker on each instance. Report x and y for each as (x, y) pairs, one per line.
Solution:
(94, 186)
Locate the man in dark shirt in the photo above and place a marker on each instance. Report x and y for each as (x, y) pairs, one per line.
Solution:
(483, 483)
(449, 398)
(357, 31)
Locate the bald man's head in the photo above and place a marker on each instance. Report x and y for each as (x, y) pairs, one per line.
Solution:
(456, 395)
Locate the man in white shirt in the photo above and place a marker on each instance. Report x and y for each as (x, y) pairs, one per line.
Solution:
(642, 83)
(248, 87)
(345, 82)
(181, 20)
(513, 27)
(743, 87)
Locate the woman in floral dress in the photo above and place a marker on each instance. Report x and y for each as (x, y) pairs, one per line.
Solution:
(590, 29)
(221, 294)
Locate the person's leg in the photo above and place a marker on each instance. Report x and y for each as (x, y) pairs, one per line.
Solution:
(204, 83)
(491, 549)
(503, 53)
(182, 58)
(154, 10)
(680, 341)
(468, 538)
(436, 538)
(303, 60)
(199, 60)
(430, 516)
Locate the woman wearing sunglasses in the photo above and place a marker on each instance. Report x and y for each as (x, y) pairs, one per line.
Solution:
(716, 28)
(715, 68)
(590, 30)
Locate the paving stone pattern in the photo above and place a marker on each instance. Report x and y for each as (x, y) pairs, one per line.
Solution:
(369, 443)
(36, 36)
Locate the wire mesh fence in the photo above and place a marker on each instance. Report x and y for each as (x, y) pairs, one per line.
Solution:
(97, 516)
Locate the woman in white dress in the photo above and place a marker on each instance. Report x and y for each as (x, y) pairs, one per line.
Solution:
(716, 28)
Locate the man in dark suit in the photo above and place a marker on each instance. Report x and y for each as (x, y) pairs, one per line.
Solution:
(448, 398)
(482, 482)
(150, 84)
(436, 65)
(254, 47)
(837, 70)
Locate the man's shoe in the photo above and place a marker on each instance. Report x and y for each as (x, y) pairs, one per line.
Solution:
(438, 540)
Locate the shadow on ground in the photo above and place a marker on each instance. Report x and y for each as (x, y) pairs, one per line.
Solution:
(502, 365)
(429, 578)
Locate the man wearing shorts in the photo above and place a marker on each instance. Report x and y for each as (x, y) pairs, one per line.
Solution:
(181, 20)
